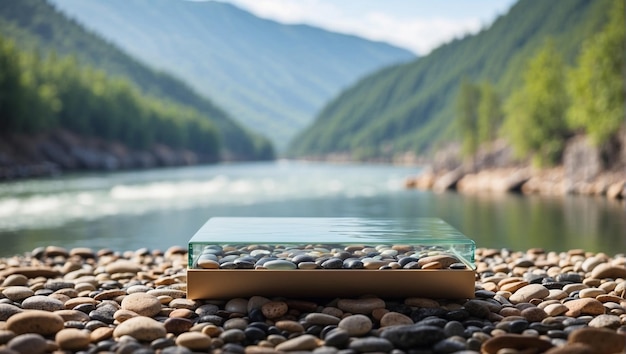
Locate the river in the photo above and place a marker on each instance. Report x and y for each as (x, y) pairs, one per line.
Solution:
(160, 208)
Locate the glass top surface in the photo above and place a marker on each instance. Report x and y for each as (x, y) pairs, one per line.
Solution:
(248, 230)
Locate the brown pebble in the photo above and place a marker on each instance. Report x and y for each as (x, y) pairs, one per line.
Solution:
(584, 307)
(305, 342)
(395, 319)
(194, 341)
(35, 321)
(572, 348)
(604, 341)
(101, 333)
(142, 304)
(274, 309)
(289, 326)
(72, 339)
(177, 325)
(144, 329)
(606, 270)
(363, 306)
(514, 341)
(534, 314)
(529, 292)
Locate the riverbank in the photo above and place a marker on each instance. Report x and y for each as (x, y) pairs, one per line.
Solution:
(585, 169)
(526, 180)
(533, 301)
(46, 155)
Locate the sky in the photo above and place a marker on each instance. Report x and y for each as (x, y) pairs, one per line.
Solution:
(417, 25)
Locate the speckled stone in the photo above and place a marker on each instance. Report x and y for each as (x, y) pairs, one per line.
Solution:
(274, 309)
(17, 293)
(45, 303)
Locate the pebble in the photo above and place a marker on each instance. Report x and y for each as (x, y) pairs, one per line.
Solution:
(363, 306)
(73, 339)
(86, 301)
(529, 292)
(194, 341)
(35, 321)
(304, 342)
(395, 319)
(142, 304)
(274, 309)
(600, 339)
(141, 328)
(356, 325)
(28, 343)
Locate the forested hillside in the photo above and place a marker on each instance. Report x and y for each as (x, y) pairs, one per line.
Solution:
(412, 107)
(270, 77)
(99, 78)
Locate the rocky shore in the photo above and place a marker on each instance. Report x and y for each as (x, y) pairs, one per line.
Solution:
(585, 170)
(45, 155)
(86, 301)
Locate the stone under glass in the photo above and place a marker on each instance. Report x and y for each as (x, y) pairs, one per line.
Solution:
(329, 243)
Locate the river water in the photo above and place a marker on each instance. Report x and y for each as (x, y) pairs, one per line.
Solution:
(160, 208)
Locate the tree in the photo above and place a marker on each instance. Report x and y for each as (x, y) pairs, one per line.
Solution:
(596, 84)
(467, 115)
(489, 113)
(535, 113)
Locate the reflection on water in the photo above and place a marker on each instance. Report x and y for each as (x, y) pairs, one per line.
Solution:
(161, 208)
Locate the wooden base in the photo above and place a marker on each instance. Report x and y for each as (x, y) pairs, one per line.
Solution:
(231, 283)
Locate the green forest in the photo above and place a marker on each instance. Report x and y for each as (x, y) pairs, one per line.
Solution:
(55, 74)
(470, 83)
(554, 100)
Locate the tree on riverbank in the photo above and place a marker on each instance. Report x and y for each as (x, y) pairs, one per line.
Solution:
(596, 84)
(535, 113)
(41, 94)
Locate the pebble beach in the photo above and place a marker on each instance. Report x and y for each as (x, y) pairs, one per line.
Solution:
(55, 300)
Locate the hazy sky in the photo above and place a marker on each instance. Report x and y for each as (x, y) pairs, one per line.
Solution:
(418, 25)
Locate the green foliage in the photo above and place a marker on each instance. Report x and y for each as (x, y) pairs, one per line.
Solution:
(411, 107)
(35, 26)
(38, 95)
(535, 113)
(479, 115)
(467, 119)
(490, 113)
(596, 84)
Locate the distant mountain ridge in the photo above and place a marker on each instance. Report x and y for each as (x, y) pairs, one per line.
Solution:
(270, 77)
(35, 25)
(410, 107)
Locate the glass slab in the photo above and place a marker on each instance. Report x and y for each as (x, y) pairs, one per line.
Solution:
(423, 236)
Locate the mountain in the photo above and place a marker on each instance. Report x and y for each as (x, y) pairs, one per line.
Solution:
(270, 77)
(410, 107)
(36, 25)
